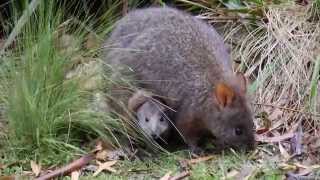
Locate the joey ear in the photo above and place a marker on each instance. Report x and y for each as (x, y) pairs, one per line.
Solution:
(137, 99)
(224, 94)
(243, 81)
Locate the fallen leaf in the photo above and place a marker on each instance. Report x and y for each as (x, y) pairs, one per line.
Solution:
(166, 176)
(102, 155)
(200, 159)
(36, 168)
(98, 147)
(181, 175)
(109, 155)
(92, 41)
(75, 175)
(105, 166)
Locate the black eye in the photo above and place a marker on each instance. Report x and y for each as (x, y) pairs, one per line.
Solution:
(238, 131)
(161, 119)
(147, 120)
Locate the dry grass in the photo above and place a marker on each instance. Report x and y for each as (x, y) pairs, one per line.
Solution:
(282, 60)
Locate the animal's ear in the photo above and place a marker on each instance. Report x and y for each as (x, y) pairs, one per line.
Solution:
(224, 94)
(243, 81)
(137, 99)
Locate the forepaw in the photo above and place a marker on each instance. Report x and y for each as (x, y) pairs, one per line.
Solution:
(196, 151)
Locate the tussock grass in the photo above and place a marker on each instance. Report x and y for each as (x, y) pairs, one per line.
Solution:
(47, 116)
(283, 60)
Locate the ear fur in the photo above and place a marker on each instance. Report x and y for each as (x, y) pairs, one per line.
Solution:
(224, 94)
(137, 99)
(243, 81)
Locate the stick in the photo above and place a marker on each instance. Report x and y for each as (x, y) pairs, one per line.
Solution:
(181, 176)
(77, 164)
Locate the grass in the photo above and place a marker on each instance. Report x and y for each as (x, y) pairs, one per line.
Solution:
(47, 94)
(47, 115)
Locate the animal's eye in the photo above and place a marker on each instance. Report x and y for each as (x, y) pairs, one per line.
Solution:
(238, 131)
(147, 120)
(161, 119)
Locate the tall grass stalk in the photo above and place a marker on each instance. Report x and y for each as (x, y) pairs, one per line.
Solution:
(314, 86)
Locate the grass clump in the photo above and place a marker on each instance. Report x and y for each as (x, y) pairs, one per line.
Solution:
(47, 116)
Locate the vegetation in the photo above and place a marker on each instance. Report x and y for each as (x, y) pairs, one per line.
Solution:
(52, 87)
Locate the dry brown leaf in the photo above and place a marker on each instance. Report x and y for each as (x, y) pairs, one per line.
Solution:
(75, 175)
(36, 168)
(102, 155)
(200, 159)
(166, 176)
(105, 166)
(98, 147)
(92, 41)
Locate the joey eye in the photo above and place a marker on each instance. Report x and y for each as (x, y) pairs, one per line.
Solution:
(238, 131)
(147, 120)
(161, 119)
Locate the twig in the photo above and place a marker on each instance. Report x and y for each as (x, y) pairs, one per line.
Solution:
(292, 176)
(181, 176)
(77, 164)
(288, 109)
(297, 140)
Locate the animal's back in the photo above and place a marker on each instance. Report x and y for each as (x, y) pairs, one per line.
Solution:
(184, 60)
(171, 52)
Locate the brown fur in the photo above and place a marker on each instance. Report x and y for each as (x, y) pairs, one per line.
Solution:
(185, 61)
